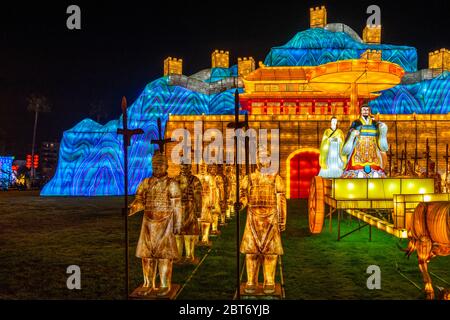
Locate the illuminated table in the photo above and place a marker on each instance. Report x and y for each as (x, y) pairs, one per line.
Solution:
(360, 198)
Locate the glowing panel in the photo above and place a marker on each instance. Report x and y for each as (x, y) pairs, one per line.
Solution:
(5, 171)
(379, 189)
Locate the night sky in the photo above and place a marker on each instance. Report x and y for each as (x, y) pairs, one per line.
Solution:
(121, 47)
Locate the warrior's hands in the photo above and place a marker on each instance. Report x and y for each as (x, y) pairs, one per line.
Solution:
(282, 227)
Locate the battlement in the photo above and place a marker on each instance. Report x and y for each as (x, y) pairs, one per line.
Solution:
(173, 66)
(318, 17)
(371, 55)
(245, 66)
(220, 59)
(372, 34)
(439, 59)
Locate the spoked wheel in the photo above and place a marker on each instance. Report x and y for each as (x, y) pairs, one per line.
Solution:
(316, 205)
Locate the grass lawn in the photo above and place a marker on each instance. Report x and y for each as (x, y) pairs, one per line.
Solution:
(40, 237)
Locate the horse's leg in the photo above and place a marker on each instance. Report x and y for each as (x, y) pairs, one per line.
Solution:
(424, 247)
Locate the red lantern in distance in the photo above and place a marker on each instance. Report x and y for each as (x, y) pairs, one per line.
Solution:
(28, 164)
(36, 161)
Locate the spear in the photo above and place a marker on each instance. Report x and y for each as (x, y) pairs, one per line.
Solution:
(237, 124)
(127, 134)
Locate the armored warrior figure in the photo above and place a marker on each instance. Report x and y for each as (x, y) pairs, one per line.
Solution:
(231, 190)
(191, 203)
(219, 195)
(160, 198)
(264, 195)
(223, 199)
(209, 202)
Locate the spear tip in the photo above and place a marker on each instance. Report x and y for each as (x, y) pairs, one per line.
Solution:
(124, 103)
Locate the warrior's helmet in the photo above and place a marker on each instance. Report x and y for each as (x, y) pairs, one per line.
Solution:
(159, 165)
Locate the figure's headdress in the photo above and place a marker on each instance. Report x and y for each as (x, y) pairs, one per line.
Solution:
(159, 159)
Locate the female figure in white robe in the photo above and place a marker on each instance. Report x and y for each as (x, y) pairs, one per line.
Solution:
(331, 160)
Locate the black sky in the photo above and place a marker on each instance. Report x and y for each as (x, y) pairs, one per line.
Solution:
(121, 46)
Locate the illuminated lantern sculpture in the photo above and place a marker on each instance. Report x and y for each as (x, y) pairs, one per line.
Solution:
(160, 199)
(191, 203)
(264, 194)
(366, 142)
(219, 196)
(430, 236)
(6, 172)
(331, 160)
(210, 206)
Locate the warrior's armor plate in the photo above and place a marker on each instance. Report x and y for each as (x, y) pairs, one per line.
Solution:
(262, 191)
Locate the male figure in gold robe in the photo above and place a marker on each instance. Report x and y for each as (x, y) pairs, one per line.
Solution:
(160, 198)
(191, 203)
(209, 202)
(264, 196)
(218, 195)
(366, 146)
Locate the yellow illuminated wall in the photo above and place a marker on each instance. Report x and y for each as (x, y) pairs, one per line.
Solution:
(305, 131)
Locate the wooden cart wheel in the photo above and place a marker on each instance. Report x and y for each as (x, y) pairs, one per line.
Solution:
(316, 205)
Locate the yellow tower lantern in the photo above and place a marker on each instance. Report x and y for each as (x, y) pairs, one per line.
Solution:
(173, 66)
(220, 59)
(439, 59)
(372, 34)
(318, 17)
(245, 66)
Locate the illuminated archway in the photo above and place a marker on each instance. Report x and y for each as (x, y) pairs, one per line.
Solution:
(301, 166)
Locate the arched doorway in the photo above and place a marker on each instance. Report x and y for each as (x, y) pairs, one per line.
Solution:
(301, 166)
